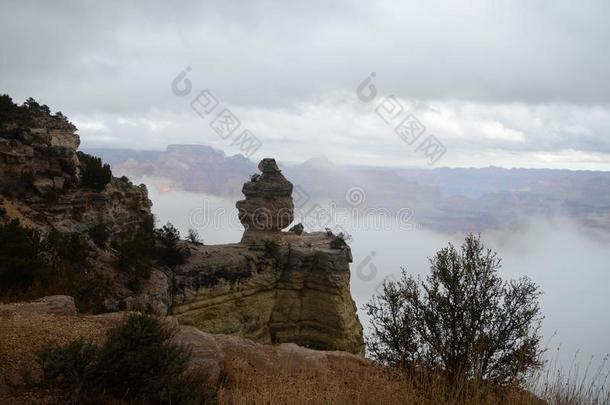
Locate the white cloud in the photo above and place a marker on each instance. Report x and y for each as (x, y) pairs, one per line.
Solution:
(348, 131)
(522, 80)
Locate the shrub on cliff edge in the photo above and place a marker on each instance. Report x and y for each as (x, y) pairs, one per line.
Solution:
(462, 321)
(193, 237)
(23, 114)
(32, 266)
(170, 253)
(94, 174)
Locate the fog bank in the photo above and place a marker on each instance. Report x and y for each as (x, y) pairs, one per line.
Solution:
(569, 262)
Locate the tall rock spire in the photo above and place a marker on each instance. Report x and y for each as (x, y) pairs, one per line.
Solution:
(268, 206)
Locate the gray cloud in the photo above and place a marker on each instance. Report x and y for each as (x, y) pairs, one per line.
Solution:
(112, 60)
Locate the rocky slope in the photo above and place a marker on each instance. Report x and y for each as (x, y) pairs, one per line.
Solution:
(274, 286)
(245, 372)
(41, 185)
(28, 326)
(40, 182)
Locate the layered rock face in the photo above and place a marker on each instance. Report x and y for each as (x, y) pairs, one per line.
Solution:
(40, 182)
(268, 207)
(42, 156)
(273, 287)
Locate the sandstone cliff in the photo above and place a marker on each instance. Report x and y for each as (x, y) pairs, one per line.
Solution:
(274, 286)
(40, 182)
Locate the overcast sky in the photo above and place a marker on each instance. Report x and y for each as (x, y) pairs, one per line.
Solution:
(514, 84)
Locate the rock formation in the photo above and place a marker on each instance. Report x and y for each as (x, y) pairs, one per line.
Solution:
(273, 287)
(268, 207)
(40, 182)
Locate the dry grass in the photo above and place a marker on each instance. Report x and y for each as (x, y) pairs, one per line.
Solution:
(554, 385)
(248, 387)
(576, 385)
(341, 381)
(22, 334)
(368, 385)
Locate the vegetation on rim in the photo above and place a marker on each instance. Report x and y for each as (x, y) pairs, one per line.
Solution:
(463, 322)
(94, 173)
(24, 113)
(137, 363)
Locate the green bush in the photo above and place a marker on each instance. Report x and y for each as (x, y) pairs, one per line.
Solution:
(11, 112)
(8, 109)
(94, 174)
(170, 253)
(89, 291)
(134, 256)
(462, 320)
(32, 266)
(64, 249)
(35, 108)
(138, 363)
(137, 254)
(20, 257)
(148, 224)
(22, 115)
(74, 362)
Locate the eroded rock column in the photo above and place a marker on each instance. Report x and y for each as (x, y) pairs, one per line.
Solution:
(268, 206)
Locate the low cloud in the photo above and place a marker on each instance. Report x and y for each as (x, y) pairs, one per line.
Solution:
(568, 262)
